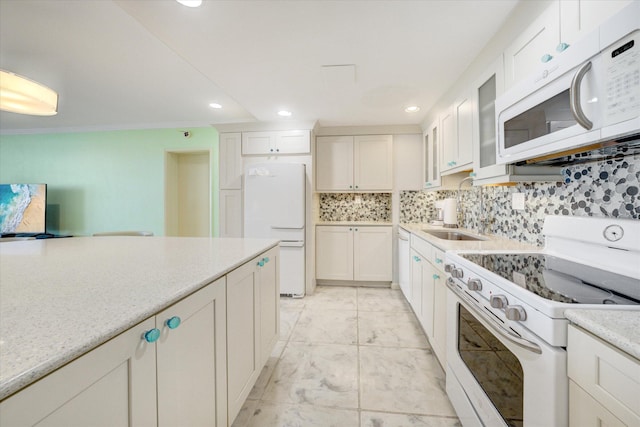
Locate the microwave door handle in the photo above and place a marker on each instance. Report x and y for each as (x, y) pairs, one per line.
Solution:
(500, 330)
(574, 98)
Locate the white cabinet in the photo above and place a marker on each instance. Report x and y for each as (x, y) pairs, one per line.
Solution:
(362, 253)
(431, 156)
(191, 359)
(579, 17)
(428, 293)
(276, 142)
(251, 294)
(560, 25)
(230, 210)
(604, 382)
(114, 384)
(354, 163)
(230, 163)
(118, 382)
(456, 127)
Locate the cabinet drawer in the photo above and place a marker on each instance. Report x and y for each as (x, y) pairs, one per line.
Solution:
(437, 259)
(422, 247)
(610, 376)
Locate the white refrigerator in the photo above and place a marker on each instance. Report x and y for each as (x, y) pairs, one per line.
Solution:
(274, 207)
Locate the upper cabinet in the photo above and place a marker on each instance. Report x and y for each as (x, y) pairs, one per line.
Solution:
(431, 157)
(230, 164)
(354, 163)
(559, 26)
(276, 142)
(456, 130)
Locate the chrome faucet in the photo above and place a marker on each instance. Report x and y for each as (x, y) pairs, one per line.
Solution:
(469, 178)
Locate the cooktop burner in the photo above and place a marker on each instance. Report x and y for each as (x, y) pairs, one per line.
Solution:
(560, 280)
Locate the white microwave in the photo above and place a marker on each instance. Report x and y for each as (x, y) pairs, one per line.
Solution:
(583, 104)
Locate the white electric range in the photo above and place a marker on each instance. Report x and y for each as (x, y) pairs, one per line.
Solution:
(507, 333)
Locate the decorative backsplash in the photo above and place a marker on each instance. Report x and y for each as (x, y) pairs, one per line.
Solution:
(606, 189)
(355, 207)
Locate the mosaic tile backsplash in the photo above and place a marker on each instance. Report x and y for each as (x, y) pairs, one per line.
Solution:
(606, 189)
(355, 207)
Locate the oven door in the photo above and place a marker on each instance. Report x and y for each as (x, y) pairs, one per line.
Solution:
(498, 377)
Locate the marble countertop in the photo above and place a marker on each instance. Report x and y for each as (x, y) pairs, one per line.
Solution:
(492, 242)
(60, 298)
(619, 328)
(354, 223)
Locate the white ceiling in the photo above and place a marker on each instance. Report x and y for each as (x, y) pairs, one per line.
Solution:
(153, 63)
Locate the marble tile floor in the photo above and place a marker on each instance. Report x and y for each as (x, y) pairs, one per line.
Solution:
(349, 357)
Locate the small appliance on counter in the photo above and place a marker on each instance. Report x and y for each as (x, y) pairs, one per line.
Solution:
(439, 213)
(450, 215)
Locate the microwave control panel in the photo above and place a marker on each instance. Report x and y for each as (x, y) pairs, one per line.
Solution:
(621, 63)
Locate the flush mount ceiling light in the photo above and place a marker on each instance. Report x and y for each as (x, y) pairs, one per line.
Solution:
(215, 105)
(284, 113)
(24, 96)
(412, 109)
(190, 3)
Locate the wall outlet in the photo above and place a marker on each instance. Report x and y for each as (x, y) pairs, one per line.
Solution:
(358, 200)
(517, 201)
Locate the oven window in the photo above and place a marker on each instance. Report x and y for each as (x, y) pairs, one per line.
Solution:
(496, 369)
(552, 115)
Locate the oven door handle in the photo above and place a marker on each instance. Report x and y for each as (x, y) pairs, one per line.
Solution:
(499, 329)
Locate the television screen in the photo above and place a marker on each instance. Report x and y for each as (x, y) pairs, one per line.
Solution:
(22, 209)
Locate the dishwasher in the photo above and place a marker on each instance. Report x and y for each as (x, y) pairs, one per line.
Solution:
(404, 264)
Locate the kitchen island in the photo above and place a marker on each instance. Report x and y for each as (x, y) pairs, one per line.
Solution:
(63, 298)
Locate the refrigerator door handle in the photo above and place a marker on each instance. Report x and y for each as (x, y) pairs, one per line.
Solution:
(275, 227)
(296, 244)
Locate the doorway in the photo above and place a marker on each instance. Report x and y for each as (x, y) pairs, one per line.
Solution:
(188, 193)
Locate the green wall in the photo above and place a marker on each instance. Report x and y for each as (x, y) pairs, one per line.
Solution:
(103, 181)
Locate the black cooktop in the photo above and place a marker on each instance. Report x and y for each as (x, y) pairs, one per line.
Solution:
(561, 280)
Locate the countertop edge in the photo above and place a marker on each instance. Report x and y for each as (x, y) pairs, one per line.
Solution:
(619, 328)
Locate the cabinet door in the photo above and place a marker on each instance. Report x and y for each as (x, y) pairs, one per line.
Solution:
(439, 341)
(432, 156)
(448, 140)
(372, 253)
(334, 253)
(243, 363)
(579, 17)
(230, 164)
(293, 142)
(416, 283)
(373, 169)
(585, 411)
(112, 385)
(258, 143)
(463, 109)
(191, 356)
(334, 156)
(485, 91)
(269, 273)
(524, 54)
(230, 213)
(428, 272)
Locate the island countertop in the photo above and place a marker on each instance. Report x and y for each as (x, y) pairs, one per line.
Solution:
(60, 298)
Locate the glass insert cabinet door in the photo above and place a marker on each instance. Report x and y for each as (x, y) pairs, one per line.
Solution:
(431, 157)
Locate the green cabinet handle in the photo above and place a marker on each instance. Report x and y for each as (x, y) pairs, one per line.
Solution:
(152, 335)
(435, 277)
(174, 322)
(438, 261)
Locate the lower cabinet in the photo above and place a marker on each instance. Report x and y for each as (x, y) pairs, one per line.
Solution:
(191, 364)
(362, 253)
(604, 382)
(428, 293)
(252, 325)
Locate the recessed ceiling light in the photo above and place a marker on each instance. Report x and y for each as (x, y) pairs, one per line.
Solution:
(215, 105)
(284, 113)
(412, 109)
(190, 3)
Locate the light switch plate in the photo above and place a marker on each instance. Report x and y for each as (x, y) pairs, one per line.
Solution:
(517, 201)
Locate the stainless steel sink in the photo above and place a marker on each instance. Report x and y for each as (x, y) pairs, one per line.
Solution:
(452, 235)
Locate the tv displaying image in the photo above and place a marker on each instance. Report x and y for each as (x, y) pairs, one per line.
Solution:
(23, 209)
